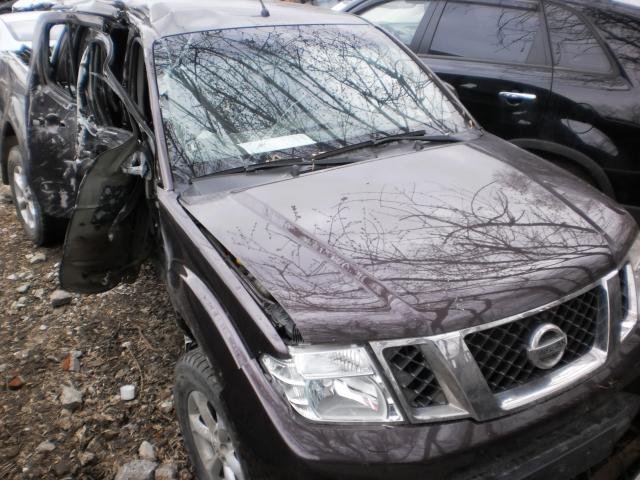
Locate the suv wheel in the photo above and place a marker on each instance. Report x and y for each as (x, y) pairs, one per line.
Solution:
(208, 435)
(38, 227)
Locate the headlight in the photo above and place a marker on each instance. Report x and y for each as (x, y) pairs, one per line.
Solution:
(631, 290)
(333, 385)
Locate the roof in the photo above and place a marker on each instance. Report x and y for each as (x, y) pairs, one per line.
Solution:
(171, 17)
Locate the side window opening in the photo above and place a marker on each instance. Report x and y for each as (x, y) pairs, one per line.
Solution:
(103, 105)
(102, 116)
(573, 44)
(137, 83)
(488, 32)
(400, 17)
(60, 69)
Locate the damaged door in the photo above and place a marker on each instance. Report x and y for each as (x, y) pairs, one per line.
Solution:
(108, 234)
(51, 130)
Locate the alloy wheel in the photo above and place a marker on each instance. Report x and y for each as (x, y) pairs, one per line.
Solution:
(211, 438)
(24, 198)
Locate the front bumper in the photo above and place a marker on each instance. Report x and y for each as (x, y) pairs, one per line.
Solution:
(556, 438)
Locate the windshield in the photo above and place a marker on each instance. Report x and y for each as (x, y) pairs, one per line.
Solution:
(231, 98)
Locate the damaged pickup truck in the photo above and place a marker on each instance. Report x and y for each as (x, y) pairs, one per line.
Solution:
(372, 286)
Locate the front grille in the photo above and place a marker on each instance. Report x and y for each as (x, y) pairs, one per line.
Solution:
(500, 352)
(417, 382)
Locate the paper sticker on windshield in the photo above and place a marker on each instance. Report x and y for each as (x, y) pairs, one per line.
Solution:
(277, 143)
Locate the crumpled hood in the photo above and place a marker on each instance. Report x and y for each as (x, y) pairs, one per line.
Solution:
(419, 243)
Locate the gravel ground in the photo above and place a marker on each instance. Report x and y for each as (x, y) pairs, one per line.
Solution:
(125, 336)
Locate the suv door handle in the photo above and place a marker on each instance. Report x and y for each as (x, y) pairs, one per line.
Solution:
(515, 98)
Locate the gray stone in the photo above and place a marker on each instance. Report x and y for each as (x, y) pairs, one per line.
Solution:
(6, 198)
(4, 367)
(167, 471)
(37, 258)
(70, 398)
(86, 458)
(22, 354)
(137, 470)
(147, 451)
(166, 406)
(60, 298)
(46, 446)
(24, 288)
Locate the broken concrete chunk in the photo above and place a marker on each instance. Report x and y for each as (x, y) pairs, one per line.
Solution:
(46, 446)
(86, 458)
(137, 470)
(147, 451)
(71, 363)
(70, 398)
(60, 298)
(167, 471)
(166, 406)
(37, 258)
(127, 392)
(22, 354)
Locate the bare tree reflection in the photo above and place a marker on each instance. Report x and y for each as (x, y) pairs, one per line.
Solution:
(436, 248)
(484, 31)
(222, 89)
(622, 33)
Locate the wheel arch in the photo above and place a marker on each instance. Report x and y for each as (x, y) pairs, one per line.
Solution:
(8, 139)
(570, 155)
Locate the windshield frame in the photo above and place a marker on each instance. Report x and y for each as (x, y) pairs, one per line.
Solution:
(473, 129)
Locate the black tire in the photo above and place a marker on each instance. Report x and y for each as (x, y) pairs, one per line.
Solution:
(194, 374)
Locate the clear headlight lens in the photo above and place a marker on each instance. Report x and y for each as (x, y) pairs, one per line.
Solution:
(631, 296)
(333, 385)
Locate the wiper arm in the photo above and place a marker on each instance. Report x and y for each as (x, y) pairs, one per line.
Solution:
(418, 135)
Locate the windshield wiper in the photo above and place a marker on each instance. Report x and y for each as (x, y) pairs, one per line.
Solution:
(418, 135)
(322, 159)
(285, 162)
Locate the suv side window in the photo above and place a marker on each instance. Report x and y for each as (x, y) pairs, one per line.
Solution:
(488, 32)
(400, 17)
(573, 44)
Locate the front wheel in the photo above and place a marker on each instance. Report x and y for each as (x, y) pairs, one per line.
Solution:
(40, 228)
(208, 435)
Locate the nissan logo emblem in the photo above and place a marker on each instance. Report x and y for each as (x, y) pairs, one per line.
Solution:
(546, 346)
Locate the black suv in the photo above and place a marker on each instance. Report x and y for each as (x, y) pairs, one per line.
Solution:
(560, 79)
(372, 285)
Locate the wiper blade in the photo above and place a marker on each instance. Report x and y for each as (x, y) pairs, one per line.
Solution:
(322, 159)
(418, 135)
(283, 162)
